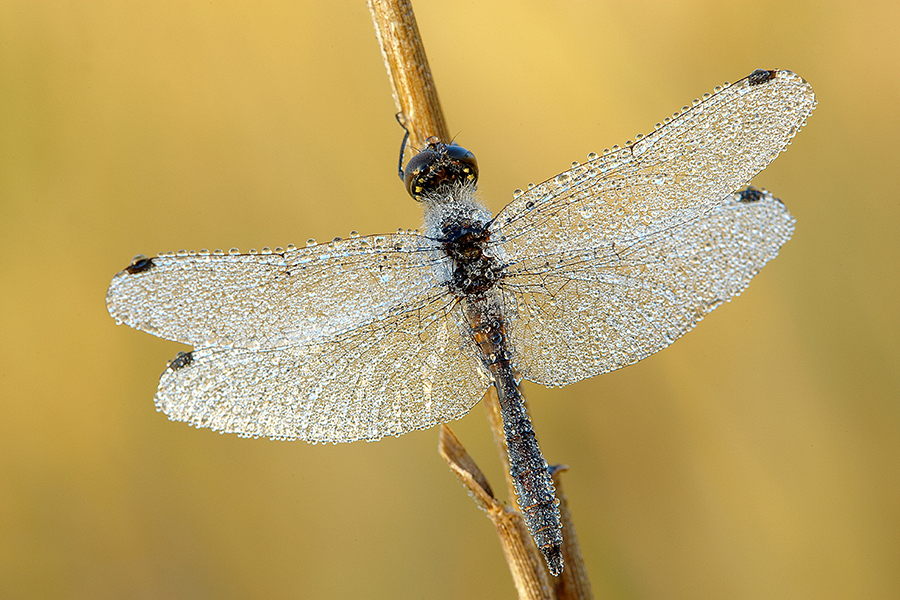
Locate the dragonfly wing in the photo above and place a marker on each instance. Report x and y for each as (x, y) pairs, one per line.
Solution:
(264, 301)
(408, 371)
(684, 168)
(587, 312)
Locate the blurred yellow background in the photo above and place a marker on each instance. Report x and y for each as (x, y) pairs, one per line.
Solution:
(759, 457)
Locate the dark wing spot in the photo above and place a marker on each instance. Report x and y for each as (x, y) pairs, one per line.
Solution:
(761, 76)
(751, 194)
(139, 264)
(181, 360)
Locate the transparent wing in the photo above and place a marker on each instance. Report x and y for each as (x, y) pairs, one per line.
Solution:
(261, 301)
(684, 168)
(591, 311)
(408, 371)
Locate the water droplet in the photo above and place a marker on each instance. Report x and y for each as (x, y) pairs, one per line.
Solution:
(233, 251)
(311, 242)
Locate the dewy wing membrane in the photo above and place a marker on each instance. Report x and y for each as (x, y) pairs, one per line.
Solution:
(599, 311)
(684, 168)
(267, 301)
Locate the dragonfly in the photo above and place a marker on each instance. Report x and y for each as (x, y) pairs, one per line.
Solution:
(373, 336)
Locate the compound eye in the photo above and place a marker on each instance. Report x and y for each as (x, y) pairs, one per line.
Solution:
(465, 159)
(417, 169)
(439, 166)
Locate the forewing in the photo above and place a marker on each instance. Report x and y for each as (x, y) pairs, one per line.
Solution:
(273, 300)
(404, 372)
(684, 168)
(588, 312)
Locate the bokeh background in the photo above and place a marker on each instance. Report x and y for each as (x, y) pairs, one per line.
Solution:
(759, 457)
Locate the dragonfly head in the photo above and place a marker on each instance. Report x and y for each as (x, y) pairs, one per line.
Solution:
(439, 165)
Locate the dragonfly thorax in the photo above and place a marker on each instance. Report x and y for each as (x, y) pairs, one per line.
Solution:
(474, 270)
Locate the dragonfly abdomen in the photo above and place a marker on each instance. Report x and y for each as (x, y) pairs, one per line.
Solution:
(535, 492)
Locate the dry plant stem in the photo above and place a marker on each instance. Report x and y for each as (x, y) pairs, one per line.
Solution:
(526, 563)
(415, 96)
(404, 56)
(573, 582)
